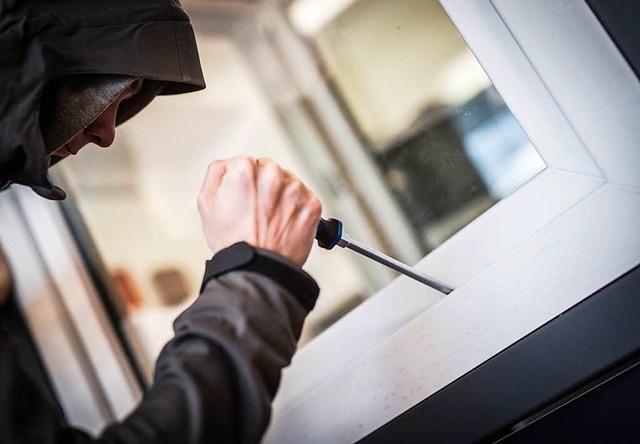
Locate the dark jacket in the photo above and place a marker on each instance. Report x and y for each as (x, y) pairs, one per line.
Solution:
(215, 380)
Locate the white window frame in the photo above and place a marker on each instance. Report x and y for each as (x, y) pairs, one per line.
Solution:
(565, 234)
(90, 374)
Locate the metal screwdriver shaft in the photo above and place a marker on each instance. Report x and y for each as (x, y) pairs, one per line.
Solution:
(330, 234)
(347, 242)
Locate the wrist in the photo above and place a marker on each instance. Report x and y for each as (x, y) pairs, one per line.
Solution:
(244, 257)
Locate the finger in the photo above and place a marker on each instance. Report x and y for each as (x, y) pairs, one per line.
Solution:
(286, 203)
(215, 171)
(212, 179)
(312, 208)
(238, 188)
(293, 198)
(269, 186)
(270, 182)
(289, 176)
(241, 172)
(309, 209)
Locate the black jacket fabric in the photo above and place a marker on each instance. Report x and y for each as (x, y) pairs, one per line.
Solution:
(41, 40)
(213, 382)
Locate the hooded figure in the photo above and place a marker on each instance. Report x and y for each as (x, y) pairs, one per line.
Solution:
(96, 46)
(63, 63)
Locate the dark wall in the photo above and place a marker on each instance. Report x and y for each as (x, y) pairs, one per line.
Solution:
(606, 414)
(621, 19)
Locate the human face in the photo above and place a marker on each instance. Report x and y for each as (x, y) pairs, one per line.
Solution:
(102, 131)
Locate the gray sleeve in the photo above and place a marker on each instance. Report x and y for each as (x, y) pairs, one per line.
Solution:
(215, 380)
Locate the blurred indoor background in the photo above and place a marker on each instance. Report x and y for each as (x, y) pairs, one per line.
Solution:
(378, 105)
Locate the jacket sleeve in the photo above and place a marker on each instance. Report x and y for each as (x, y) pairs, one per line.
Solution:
(215, 380)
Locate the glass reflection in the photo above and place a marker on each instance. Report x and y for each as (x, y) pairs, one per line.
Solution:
(440, 133)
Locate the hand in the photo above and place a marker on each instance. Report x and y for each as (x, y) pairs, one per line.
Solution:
(258, 202)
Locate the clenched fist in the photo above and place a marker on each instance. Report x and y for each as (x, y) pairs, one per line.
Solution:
(258, 202)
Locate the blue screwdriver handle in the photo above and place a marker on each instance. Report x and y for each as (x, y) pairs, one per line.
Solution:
(329, 233)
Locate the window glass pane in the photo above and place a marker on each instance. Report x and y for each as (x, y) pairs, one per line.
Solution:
(413, 100)
(440, 133)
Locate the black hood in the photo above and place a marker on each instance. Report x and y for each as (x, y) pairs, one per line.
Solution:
(42, 40)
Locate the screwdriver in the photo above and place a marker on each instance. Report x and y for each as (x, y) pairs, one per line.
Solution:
(330, 233)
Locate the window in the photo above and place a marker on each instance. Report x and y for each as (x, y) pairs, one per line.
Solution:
(557, 239)
(560, 236)
(442, 147)
(436, 128)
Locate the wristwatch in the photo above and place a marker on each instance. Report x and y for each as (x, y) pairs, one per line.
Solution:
(244, 257)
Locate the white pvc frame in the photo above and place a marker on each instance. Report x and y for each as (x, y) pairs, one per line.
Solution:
(565, 234)
(90, 374)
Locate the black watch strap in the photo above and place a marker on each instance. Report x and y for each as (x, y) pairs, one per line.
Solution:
(242, 256)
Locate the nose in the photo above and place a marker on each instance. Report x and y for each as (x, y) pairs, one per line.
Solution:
(102, 131)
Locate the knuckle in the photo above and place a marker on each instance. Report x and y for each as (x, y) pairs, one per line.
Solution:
(214, 165)
(316, 205)
(264, 161)
(273, 169)
(299, 186)
(201, 202)
(214, 173)
(289, 174)
(247, 162)
(210, 167)
(297, 189)
(243, 165)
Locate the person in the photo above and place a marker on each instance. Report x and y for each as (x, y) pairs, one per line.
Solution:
(71, 71)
